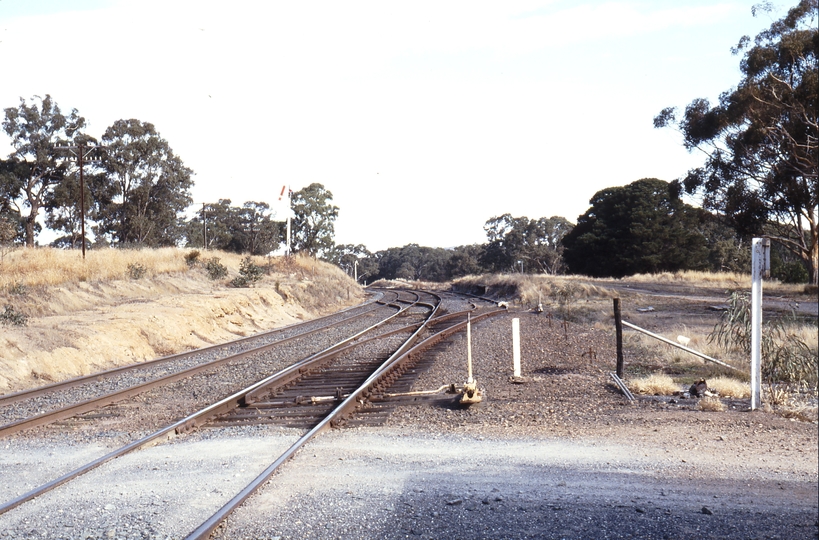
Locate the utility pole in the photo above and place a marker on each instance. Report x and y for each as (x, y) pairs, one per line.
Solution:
(286, 190)
(81, 153)
(204, 227)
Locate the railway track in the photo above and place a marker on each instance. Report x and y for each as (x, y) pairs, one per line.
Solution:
(54, 402)
(351, 381)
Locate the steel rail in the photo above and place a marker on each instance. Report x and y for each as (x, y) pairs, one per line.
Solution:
(348, 404)
(126, 393)
(8, 399)
(204, 530)
(185, 424)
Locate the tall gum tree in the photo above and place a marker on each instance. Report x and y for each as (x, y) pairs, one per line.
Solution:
(314, 221)
(35, 129)
(760, 141)
(147, 188)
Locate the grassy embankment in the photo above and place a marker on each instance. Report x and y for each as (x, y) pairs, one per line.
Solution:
(64, 317)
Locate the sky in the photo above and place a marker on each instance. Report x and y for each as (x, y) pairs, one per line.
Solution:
(424, 119)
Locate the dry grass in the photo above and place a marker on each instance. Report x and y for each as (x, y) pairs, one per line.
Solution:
(729, 387)
(722, 280)
(711, 404)
(53, 267)
(798, 411)
(654, 384)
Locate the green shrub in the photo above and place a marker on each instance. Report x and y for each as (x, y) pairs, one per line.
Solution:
(215, 269)
(12, 317)
(785, 357)
(792, 272)
(249, 274)
(136, 271)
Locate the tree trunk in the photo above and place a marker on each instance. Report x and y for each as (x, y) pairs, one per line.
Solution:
(30, 221)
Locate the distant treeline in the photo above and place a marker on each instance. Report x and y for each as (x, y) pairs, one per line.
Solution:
(643, 227)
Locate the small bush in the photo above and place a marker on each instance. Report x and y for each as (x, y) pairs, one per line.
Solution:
(11, 317)
(566, 296)
(192, 258)
(17, 288)
(249, 274)
(136, 271)
(239, 282)
(215, 269)
(792, 272)
(787, 358)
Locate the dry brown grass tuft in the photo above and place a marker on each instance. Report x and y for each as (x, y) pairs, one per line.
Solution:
(655, 384)
(315, 285)
(729, 387)
(711, 404)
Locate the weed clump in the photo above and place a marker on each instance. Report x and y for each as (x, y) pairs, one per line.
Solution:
(12, 317)
(711, 404)
(787, 357)
(136, 271)
(18, 288)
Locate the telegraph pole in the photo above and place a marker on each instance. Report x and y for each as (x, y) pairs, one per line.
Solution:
(81, 153)
(204, 228)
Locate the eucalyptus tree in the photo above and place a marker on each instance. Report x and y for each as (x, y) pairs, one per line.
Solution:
(314, 220)
(355, 259)
(761, 139)
(147, 187)
(34, 168)
(239, 229)
(516, 243)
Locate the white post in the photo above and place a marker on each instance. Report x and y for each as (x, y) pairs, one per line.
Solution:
(516, 346)
(469, 348)
(760, 267)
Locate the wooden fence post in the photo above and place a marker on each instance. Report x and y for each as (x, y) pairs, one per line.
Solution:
(618, 327)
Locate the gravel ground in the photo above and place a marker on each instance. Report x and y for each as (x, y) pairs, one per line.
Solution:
(560, 454)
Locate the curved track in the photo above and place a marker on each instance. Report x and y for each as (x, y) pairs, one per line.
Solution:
(342, 382)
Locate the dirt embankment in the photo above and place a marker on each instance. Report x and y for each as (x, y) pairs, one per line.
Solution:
(79, 328)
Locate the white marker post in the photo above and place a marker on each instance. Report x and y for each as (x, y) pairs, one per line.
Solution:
(760, 267)
(516, 346)
(469, 379)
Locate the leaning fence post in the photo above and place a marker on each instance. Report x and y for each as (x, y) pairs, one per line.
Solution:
(618, 328)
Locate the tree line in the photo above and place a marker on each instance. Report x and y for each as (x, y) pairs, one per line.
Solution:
(643, 227)
(132, 189)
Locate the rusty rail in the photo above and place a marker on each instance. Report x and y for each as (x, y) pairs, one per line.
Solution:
(410, 347)
(191, 420)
